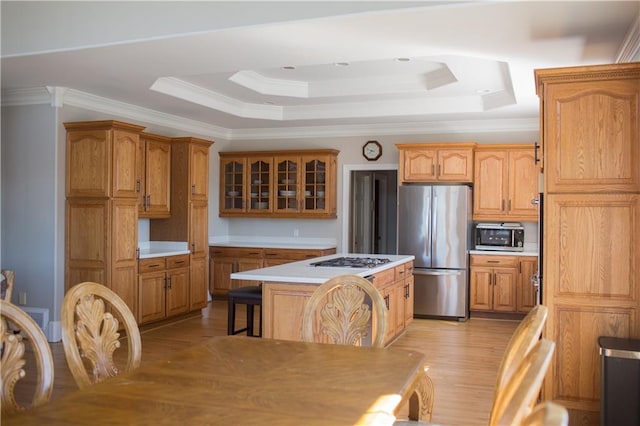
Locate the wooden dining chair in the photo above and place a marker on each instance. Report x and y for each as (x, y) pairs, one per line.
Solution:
(525, 336)
(6, 285)
(337, 312)
(90, 333)
(514, 400)
(13, 358)
(547, 414)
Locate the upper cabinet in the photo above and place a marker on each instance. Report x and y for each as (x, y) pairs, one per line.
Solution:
(505, 182)
(429, 162)
(278, 183)
(600, 154)
(154, 176)
(102, 159)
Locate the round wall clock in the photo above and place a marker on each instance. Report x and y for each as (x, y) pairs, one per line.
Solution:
(372, 150)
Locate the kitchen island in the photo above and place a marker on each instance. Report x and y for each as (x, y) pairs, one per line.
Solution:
(287, 288)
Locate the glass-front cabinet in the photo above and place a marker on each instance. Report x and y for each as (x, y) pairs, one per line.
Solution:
(279, 183)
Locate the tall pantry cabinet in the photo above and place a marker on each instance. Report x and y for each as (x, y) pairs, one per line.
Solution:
(189, 212)
(102, 190)
(590, 120)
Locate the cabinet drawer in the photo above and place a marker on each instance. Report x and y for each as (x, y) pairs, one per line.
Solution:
(489, 260)
(236, 252)
(181, 261)
(384, 278)
(152, 264)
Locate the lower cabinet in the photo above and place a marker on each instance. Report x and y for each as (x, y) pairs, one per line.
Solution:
(226, 260)
(502, 284)
(396, 287)
(163, 287)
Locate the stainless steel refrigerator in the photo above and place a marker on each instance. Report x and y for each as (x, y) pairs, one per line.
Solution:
(434, 225)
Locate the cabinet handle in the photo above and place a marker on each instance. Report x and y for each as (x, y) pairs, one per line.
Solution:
(193, 189)
(386, 301)
(193, 247)
(178, 262)
(155, 265)
(536, 159)
(406, 291)
(438, 170)
(169, 281)
(509, 205)
(138, 253)
(433, 169)
(502, 205)
(137, 185)
(493, 261)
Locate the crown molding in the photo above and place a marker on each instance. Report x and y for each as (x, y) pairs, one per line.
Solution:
(60, 96)
(439, 127)
(630, 49)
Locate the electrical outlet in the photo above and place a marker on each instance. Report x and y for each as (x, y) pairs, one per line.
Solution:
(296, 232)
(22, 298)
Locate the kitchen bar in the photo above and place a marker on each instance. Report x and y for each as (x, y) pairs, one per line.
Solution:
(286, 289)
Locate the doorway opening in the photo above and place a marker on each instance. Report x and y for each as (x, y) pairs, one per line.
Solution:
(373, 205)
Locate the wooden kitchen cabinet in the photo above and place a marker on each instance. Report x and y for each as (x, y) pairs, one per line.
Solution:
(154, 176)
(591, 180)
(505, 182)
(493, 283)
(431, 162)
(101, 208)
(285, 184)
(101, 158)
(163, 288)
(189, 220)
(226, 260)
(526, 292)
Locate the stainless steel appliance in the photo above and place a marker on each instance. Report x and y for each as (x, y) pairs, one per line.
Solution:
(500, 236)
(434, 225)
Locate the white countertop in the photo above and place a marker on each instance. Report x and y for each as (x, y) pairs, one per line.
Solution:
(274, 242)
(303, 272)
(150, 249)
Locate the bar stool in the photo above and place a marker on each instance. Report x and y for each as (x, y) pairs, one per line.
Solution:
(250, 296)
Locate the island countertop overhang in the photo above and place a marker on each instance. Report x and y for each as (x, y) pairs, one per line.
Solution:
(303, 272)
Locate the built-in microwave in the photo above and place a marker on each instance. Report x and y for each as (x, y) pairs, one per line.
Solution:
(500, 236)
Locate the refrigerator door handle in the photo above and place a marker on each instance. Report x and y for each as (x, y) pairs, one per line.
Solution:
(433, 272)
(434, 221)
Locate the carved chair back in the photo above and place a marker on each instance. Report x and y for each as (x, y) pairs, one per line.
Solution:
(547, 414)
(12, 350)
(338, 312)
(515, 399)
(6, 288)
(90, 333)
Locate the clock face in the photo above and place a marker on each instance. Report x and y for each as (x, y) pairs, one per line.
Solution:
(372, 150)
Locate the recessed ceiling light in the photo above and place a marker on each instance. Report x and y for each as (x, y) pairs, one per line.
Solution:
(289, 67)
(268, 103)
(483, 91)
(341, 64)
(403, 59)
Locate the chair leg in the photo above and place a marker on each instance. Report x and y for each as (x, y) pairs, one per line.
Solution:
(250, 320)
(231, 317)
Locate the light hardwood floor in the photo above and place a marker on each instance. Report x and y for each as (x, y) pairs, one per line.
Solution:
(463, 357)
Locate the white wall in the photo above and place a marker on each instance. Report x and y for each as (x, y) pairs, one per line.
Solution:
(31, 237)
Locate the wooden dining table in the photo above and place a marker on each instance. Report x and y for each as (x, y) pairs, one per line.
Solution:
(237, 380)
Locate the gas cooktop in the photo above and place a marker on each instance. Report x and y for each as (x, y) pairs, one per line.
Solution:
(352, 262)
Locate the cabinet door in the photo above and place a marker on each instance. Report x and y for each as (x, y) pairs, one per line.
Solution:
(481, 285)
(408, 301)
(157, 183)
(124, 250)
(603, 116)
(286, 183)
(124, 164)
(490, 191)
(316, 185)
(151, 296)
(455, 165)
(504, 289)
(221, 270)
(199, 272)
(419, 165)
(232, 184)
(259, 180)
(246, 264)
(390, 301)
(199, 171)
(523, 184)
(399, 293)
(526, 298)
(177, 298)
